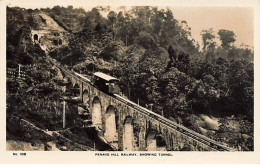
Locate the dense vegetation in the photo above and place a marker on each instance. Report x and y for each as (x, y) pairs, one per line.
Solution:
(159, 65)
(37, 96)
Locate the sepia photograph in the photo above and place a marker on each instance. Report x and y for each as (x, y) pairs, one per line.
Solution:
(135, 80)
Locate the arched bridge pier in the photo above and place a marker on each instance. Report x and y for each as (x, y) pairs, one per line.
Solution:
(129, 128)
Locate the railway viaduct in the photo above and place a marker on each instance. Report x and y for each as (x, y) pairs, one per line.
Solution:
(128, 129)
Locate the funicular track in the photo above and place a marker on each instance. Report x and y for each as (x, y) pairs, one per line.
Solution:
(185, 131)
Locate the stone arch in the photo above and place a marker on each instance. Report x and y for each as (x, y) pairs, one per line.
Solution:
(128, 134)
(96, 112)
(171, 141)
(69, 86)
(85, 98)
(111, 124)
(60, 42)
(187, 147)
(154, 139)
(76, 90)
(150, 137)
(160, 143)
(69, 82)
(55, 42)
(35, 37)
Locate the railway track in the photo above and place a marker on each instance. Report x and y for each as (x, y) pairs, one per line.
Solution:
(192, 134)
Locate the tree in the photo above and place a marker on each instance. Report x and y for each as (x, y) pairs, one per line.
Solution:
(208, 37)
(173, 88)
(154, 61)
(124, 28)
(183, 63)
(227, 37)
(173, 56)
(146, 40)
(240, 138)
(112, 18)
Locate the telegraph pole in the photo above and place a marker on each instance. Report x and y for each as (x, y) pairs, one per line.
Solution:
(192, 115)
(64, 116)
(128, 85)
(19, 70)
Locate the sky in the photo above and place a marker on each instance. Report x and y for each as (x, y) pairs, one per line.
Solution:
(238, 19)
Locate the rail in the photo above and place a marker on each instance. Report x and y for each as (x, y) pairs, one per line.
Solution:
(192, 134)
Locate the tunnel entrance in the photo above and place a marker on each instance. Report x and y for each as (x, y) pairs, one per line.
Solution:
(35, 37)
(96, 113)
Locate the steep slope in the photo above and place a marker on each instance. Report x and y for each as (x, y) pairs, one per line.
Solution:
(45, 22)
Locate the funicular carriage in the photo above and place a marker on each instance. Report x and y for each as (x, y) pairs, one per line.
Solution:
(106, 83)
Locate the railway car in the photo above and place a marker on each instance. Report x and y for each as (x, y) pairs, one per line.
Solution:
(106, 83)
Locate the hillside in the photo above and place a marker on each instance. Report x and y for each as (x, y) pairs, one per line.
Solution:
(153, 54)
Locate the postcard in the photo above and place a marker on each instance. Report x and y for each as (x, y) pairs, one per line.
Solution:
(129, 81)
